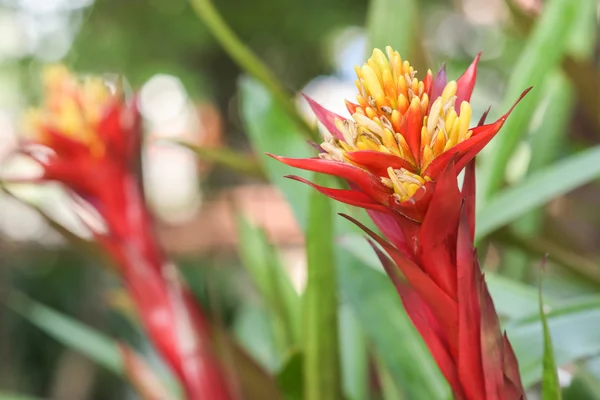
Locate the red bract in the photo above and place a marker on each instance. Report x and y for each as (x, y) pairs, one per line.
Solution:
(90, 140)
(401, 154)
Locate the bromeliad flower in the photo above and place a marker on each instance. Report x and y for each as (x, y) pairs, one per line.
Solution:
(87, 138)
(402, 135)
(401, 153)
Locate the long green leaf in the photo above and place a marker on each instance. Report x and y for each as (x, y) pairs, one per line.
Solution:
(69, 332)
(272, 281)
(250, 62)
(321, 345)
(541, 187)
(368, 293)
(550, 384)
(540, 55)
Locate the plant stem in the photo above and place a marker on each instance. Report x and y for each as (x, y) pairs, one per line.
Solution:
(249, 62)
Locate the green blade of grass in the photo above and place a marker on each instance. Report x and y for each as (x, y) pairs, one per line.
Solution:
(321, 346)
(546, 184)
(550, 384)
(71, 333)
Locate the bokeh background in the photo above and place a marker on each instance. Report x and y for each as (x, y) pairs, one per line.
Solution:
(52, 287)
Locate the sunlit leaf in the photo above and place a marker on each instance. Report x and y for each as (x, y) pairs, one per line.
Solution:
(535, 191)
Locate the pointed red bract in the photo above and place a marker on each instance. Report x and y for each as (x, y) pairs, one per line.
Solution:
(326, 117)
(465, 151)
(466, 83)
(445, 309)
(411, 129)
(439, 83)
(351, 197)
(436, 233)
(469, 325)
(367, 182)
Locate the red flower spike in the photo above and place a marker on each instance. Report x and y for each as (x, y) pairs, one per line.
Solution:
(326, 117)
(92, 133)
(405, 146)
(466, 82)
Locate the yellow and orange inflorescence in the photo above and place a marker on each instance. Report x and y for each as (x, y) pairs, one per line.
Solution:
(395, 115)
(71, 107)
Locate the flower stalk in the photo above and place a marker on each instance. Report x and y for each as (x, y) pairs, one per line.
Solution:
(87, 138)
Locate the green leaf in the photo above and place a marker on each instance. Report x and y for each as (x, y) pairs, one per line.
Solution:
(271, 279)
(289, 378)
(574, 328)
(550, 383)
(320, 305)
(545, 143)
(392, 23)
(583, 387)
(542, 52)
(354, 356)
(253, 329)
(550, 182)
(69, 332)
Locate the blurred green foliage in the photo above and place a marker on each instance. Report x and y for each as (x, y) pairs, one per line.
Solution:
(549, 147)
